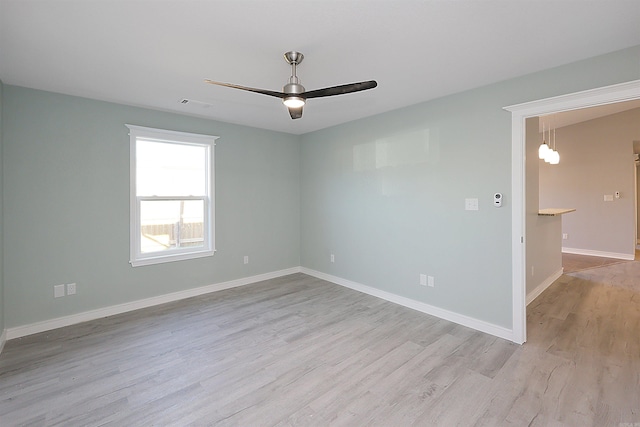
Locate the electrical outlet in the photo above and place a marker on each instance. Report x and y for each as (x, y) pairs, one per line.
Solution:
(565, 236)
(58, 291)
(333, 258)
(246, 259)
(431, 282)
(71, 288)
(423, 279)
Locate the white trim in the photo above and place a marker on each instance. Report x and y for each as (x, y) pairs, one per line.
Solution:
(34, 328)
(518, 247)
(208, 142)
(3, 339)
(589, 98)
(574, 101)
(174, 256)
(460, 319)
(589, 252)
(47, 325)
(635, 201)
(543, 286)
(162, 134)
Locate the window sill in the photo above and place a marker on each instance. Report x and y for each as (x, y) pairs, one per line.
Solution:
(170, 258)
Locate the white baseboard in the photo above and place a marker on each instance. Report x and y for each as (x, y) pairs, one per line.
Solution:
(34, 328)
(628, 257)
(543, 286)
(460, 319)
(3, 339)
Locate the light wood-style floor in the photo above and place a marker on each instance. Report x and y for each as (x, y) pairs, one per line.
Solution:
(300, 351)
(574, 262)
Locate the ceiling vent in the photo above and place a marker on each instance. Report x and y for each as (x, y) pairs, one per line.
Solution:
(201, 104)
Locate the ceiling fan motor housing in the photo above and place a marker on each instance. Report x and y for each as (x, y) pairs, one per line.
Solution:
(293, 88)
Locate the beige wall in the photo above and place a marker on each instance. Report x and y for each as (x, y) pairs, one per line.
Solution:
(544, 236)
(596, 159)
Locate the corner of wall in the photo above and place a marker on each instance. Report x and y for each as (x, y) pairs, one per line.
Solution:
(2, 323)
(535, 293)
(3, 339)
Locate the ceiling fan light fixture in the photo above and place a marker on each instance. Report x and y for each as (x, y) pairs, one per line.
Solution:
(293, 101)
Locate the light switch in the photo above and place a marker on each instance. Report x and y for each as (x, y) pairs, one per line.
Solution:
(608, 197)
(471, 204)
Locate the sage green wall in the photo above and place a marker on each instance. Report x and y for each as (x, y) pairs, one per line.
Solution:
(66, 170)
(386, 194)
(1, 218)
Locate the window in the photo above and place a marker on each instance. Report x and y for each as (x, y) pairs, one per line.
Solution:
(171, 204)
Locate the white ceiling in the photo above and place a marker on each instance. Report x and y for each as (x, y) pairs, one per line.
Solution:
(155, 53)
(566, 118)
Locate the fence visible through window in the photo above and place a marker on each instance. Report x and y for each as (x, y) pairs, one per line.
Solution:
(171, 224)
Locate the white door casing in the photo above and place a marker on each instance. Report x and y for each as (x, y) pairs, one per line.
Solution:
(519, 113)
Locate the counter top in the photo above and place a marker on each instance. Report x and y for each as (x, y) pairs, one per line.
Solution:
(554, 211)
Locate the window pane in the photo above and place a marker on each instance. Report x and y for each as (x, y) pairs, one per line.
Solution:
(166, 169)
(173, 224)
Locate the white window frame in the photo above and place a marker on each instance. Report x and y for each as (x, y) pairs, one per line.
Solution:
(137, 258)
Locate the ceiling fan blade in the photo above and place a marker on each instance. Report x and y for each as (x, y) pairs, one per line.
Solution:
(339, 90)
(295, 113)
(250, 89)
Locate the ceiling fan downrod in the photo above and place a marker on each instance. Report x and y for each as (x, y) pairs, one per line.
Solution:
(293, 87)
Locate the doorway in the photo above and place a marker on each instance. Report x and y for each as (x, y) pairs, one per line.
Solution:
(519, 113)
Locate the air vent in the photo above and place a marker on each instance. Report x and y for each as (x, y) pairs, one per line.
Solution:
(202, 104)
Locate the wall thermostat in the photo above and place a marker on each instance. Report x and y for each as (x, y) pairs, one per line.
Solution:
(497, 200)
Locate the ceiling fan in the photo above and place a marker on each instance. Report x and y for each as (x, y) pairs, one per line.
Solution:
(293, 94)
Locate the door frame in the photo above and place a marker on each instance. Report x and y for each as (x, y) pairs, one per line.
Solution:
(519, 113)
(635, 203)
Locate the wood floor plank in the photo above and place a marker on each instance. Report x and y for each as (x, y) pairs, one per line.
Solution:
(299, 351)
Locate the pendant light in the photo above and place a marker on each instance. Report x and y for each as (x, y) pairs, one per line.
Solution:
(544, 148)
(547, 152)
(555, 156)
